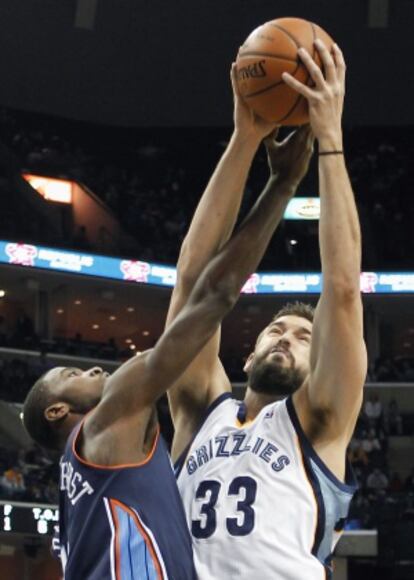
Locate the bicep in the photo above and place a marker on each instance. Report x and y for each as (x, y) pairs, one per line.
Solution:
(190, 399)
(338, 361)
(196, 389)
(203, 381)
(193, 388)
(184, 340)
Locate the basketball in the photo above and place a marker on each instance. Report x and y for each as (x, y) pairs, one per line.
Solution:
(270, 50)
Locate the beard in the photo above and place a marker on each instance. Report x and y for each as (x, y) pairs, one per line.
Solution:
(271, 378)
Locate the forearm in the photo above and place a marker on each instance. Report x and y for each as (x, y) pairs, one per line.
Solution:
(217, 211)
(244, 251)
(339, 230)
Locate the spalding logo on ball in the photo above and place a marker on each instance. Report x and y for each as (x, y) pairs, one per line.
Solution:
(269, 51)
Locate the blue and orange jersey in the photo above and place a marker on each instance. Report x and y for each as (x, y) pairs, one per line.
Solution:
(124, 522)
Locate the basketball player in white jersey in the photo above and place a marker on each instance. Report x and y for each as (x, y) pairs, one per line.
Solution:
(265, 483)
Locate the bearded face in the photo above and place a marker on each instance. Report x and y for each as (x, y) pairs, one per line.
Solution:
(270, 377)
(280, 362)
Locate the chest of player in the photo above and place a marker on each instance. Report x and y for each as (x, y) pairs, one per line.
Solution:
(237, 479)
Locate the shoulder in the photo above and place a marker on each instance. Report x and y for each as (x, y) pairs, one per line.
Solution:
(127, 439)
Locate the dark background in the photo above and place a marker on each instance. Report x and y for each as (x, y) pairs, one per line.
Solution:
(160, 63)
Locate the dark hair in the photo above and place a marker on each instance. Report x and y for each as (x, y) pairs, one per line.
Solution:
(296, 309)
(292, 309)
(34, 420)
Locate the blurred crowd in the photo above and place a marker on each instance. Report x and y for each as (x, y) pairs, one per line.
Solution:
(28, 475)
(397, 369)
(19, 372)
(152, 180)
(384, 494)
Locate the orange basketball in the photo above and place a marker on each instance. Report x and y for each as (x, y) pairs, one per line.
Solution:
(268, 51)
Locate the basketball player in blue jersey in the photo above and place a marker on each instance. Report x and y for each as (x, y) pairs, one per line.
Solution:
(265, 483)
(121, 515)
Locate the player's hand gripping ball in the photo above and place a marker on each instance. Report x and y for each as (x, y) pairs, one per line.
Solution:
(268, 51)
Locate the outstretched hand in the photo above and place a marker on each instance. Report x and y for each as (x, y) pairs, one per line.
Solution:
(326, 97)
(289, 160)
(246, 122)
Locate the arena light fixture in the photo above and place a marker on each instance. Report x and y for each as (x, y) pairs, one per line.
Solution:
(59, 190)
(2, 293)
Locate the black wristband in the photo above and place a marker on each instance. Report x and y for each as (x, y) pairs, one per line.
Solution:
(335, 152)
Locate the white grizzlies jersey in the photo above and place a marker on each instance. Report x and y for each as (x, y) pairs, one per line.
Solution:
(260, 503)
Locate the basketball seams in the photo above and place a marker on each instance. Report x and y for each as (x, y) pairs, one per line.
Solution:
(288, 34)
(260, 91)
(300, 97)
(302, 36)
(268, 55)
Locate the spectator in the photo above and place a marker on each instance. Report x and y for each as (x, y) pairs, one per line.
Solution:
(392, 419)
(371, 446)
(373, 410)
(377, 481)
(13, 481)
(357, 454)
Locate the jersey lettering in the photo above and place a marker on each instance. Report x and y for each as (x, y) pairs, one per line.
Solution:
(239, 439)
(225, 446)
(221, 441)
(72, 483)
(245, 488)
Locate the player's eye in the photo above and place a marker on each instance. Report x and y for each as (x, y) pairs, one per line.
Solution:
(275, 330)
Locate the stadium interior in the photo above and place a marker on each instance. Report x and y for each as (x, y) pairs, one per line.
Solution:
(133, 170)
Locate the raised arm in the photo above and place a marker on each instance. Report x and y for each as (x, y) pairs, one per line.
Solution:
(216, 213)
(135, 386)
(211, 227)
(338, 354)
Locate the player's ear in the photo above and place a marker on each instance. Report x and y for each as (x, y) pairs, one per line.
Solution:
(57, 411)
(248, 363)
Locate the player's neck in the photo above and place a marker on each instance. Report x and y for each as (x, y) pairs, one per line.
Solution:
(255, 402)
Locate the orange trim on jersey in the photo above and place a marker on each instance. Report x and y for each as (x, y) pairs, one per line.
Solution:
(116, 541)
(147, 539)
(311, 490)
(116, 466)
